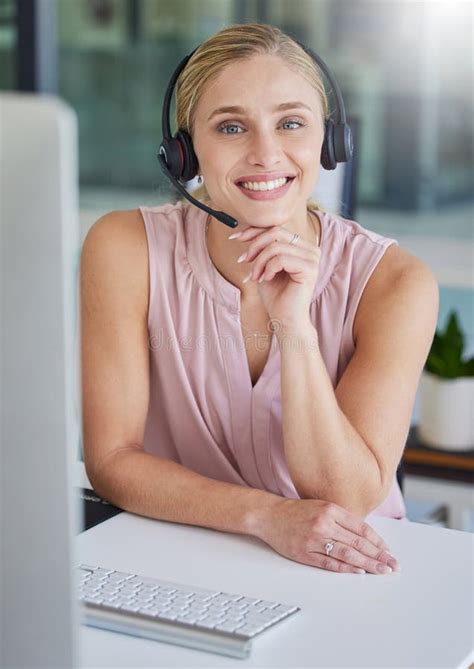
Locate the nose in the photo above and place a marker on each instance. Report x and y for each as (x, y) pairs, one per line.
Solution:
(265, 148)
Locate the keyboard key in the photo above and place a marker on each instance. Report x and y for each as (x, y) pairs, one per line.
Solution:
(187, 618)
(88, 567)
(114, 604)
(93, 587)
(166, 589)
(143, 598)
(209, 618)
(92, 598)
(284, 609)
(129, 589)
(231, 597)
(268, 605)
(129, 606)
(249, 600)
(208, 624)
(110, 588)
(237, 607)
(229, 627)
(202, 597)
(142, 580)
(248, 630)
(100, 571)
(148, 612)
(230, 619)
(222, 599)
(119, 575)
(169, 615)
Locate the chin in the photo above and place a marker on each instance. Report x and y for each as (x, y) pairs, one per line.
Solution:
(266, 216)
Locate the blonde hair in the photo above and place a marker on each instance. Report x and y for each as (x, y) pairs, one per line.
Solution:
(237, 42)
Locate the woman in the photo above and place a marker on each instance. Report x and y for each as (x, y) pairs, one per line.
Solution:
(258, 383)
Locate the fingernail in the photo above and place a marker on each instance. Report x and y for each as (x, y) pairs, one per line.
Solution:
(247, 278)
(242, 257)
(384, 569)
(234, 235)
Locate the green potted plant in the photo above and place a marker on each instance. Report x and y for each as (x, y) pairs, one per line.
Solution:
(447, 392)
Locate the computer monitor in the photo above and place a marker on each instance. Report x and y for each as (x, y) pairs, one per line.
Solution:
(40, 515)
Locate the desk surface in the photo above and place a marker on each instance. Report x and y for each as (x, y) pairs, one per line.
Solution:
(420, 617)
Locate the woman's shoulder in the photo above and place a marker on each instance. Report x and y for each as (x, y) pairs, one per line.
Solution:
(119, 250)
(129, 226)
(351, 248)
(115, 248)
(168, 211)
(118, 228)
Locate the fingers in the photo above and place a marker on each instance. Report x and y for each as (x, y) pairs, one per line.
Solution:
(264, 242)
(274, 259)
(260, 239)
(359, 551)
(356, 526)
(357, 544)
(382, 563)
(271, 252)
(331, 564)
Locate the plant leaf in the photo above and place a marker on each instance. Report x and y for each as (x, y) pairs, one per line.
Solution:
(468, 367)
(445, 356)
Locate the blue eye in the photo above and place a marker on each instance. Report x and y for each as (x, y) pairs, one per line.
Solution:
(297, 122)
(229, 125)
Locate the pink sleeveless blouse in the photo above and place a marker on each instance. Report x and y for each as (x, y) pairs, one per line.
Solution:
(203, 411)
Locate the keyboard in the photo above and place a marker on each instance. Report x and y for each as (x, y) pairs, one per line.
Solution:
(209, 620)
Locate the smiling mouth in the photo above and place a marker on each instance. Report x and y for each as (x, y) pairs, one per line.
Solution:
(264, 186)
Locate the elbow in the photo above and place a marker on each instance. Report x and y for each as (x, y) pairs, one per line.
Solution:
(102, 472)
(95, 479)
(361, 503)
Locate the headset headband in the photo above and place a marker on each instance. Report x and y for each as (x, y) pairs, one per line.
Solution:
(165, 117)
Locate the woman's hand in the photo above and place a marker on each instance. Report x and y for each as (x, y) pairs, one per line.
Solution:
(288, 272)
(299, 529)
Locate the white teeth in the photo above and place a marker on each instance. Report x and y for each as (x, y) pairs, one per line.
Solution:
(264, 185)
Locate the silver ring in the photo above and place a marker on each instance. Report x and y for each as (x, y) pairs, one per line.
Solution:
(295, 238)
(328, 547)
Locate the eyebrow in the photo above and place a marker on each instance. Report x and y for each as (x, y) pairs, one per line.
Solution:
(241, 110)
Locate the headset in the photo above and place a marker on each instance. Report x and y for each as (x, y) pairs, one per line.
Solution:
(178, 160)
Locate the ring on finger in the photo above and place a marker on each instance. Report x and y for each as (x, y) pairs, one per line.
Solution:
(328, 547)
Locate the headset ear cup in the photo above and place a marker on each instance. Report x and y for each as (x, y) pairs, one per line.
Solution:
(190, 161)
(343, 143)
(171, 150)
(328, 158)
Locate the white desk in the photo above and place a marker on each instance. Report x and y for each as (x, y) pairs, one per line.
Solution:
(420, 617)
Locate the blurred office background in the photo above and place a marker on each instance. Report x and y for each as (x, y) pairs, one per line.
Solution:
(406, 73)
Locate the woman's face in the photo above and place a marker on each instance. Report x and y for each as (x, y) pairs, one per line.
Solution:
(262, 141)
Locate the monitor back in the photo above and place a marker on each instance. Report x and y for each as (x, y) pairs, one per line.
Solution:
(39, 238)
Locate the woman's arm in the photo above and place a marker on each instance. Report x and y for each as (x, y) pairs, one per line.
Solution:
(344, 445)
(327, 459)
(159, 488)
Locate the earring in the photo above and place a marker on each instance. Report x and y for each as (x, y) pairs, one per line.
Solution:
(200, 179)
